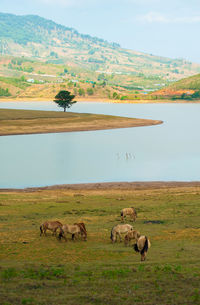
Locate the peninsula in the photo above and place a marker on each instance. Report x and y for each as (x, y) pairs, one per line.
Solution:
(17, 122)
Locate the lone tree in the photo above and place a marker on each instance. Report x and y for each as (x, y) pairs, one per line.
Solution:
(64, 99)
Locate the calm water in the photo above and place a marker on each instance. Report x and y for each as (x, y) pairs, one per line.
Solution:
(167, 152)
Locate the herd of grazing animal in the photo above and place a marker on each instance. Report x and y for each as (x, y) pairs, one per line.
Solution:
(78, 229)
(74, 230)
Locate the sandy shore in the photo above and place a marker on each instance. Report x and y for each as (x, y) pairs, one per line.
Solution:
(105, 100)
(111, 186)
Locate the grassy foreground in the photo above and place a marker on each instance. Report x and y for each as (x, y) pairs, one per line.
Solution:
(42, 270)
(15, 122)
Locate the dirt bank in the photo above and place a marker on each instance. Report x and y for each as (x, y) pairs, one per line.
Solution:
(112, 185)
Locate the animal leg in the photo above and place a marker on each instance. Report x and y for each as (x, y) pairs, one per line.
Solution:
(133, 217)
(41, 231)
(75, 236)
(55, 231)
(120, 237)
(143, 256)
(126, 241)
(61, 234)
(114, 238)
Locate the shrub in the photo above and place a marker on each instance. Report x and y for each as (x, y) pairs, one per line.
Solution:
(4, 92)
(90, 91)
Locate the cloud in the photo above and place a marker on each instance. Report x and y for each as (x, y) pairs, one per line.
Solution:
(154, 17)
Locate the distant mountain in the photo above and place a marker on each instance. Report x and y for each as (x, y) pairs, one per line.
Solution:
(36, 37)
(35, 29)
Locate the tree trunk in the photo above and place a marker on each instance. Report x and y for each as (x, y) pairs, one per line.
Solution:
(64, 109)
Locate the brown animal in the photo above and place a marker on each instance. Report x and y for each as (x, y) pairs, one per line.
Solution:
(128, 211)
(118, 230)
(71, 229)
(82, 229)
(51, 226)
(131, 235)
(142, 245)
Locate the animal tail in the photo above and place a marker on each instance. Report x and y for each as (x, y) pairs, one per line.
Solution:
(135, 247)
(41, 230)
(111, 234)
(146, 246)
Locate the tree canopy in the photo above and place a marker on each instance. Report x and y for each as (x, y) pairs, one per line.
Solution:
(64, 99)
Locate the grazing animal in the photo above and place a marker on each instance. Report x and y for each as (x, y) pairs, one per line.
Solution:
(142, 245)
(71, 229)
(128, 211)
(51, 226)
(82, 229)
(118, 230)
(131, 235)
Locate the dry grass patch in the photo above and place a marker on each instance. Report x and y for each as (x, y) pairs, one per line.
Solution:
(14, 122)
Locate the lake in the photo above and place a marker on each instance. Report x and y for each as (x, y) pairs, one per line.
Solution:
(167, 152)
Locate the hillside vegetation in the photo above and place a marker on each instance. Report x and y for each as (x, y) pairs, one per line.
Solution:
(191, 83)
(39, 57)
(36, 37)
(32, 78)
(187, 88)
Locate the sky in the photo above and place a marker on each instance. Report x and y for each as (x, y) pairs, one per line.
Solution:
(167, 28)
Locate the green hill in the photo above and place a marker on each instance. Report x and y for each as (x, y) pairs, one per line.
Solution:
(192, 83)
(31, 28)
(185, 89)
(38, 57)
(36, 37)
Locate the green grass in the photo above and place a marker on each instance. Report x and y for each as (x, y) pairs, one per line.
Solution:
(17, 82)
(192, 82)
(42, 270)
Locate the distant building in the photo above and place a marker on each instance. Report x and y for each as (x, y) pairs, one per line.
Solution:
(30, 80)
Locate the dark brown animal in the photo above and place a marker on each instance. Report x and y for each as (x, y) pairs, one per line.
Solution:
(142, 245)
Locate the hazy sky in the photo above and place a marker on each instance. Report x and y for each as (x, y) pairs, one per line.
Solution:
(169, 28)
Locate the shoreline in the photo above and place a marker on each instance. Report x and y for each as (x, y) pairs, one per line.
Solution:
(138, 185)
(104, 100)
(81, 129)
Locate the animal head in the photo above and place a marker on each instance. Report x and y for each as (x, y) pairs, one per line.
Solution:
(134, 211)
(137, 234)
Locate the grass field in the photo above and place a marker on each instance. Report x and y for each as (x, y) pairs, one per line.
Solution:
(42, 270)
(13, 122)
